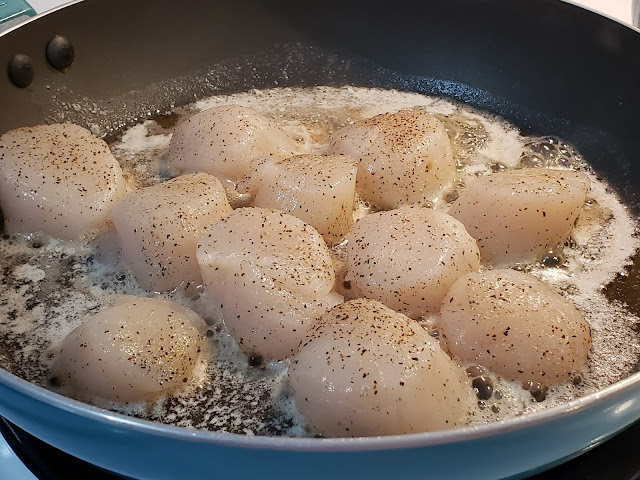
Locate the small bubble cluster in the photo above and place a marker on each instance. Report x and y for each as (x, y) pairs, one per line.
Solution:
(549, 152)
(481, 382)
(467, 136)
(537, 390)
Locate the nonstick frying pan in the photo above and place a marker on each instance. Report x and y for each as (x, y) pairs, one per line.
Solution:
(549, 67)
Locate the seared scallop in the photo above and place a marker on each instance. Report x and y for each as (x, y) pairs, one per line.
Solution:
(403, 158)
(409, 257)
(133, 351)
(57, 179)
(315, 188)
(224, 141)
(158, 229)
(366, 370)
(516, 326)
(269, 276)
(519, 215)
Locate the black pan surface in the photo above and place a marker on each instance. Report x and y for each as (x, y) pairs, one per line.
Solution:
(547, 66)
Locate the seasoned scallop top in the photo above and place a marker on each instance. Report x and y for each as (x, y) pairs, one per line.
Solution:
(408, 258)
(403, 158)
(367, 370)
(57, 179)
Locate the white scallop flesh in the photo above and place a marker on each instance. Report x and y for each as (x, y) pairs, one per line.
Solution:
(519, 215)
(516, 326)
(133, 351)
(224, 141)
(403, 157)
(408, 258)
(269, 276)
(315, 188)
(365, 370)
(158, 229)
(58, 179)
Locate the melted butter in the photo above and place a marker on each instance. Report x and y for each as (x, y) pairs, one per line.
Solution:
(50, 286)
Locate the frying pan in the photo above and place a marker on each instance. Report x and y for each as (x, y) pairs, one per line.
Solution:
(549, 67)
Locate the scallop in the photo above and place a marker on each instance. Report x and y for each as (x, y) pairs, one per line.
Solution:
(403, 157)
(408, 258)
(224, 141)
(269, 276)
(520, 215)
(317, 189)
(365, 370)
(58, 180)
(515, 325)
(158, 228)
(133, 351)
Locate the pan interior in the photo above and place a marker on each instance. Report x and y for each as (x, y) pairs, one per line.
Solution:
(236, 397)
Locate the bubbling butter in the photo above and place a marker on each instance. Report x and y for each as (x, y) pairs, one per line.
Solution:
(51, 286)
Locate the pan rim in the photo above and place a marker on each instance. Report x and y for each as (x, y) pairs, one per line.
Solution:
(391, 442)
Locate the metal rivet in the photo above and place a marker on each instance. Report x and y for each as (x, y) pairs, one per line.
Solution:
(21, 70)
(60, 53)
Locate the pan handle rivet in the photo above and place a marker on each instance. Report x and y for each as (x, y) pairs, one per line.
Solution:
(60, 53)
(21, 70)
